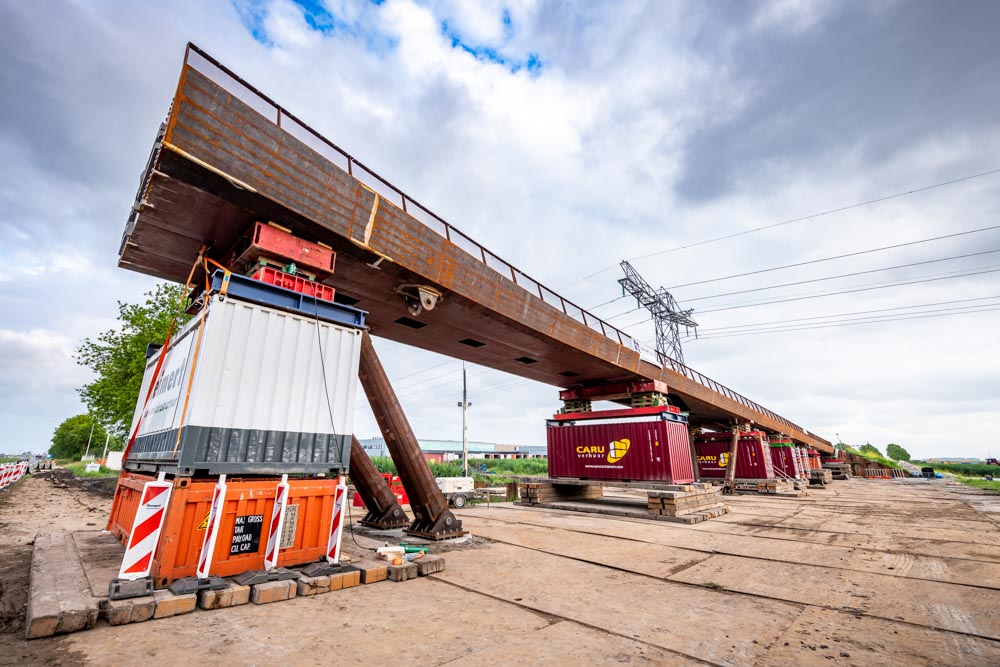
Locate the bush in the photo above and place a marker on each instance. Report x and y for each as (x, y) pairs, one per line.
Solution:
(73, 435)
(896, 453)
(522, 467)
(869, 448)
(445, 469)
(79, 469)
(970, 469)
(384, 464)
(876, 457)
(498, 467)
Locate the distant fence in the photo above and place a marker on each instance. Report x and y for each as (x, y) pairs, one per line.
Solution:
(885, 473)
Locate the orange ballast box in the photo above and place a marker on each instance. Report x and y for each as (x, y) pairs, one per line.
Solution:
(304, 537)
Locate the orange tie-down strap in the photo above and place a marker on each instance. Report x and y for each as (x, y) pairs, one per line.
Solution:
(166, 344)
(197, 347)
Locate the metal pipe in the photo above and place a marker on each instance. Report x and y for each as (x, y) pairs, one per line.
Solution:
(384, 511)
(432, 519)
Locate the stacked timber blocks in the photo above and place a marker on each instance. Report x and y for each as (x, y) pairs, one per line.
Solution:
(688, 503)
(820, 476)
(538, 493)
(775, 486)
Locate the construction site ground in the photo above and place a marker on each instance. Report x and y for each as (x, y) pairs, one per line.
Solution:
(861, 573)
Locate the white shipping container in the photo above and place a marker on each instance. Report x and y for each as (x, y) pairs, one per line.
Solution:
(273, 392)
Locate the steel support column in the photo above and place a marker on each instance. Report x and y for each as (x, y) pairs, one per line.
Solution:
(383, 509)
(692, 434)
(432, 518)
(729, 484)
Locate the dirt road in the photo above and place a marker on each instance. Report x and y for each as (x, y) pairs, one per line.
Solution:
(865, 573)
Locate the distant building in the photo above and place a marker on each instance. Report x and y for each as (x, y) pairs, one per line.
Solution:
(441, 451)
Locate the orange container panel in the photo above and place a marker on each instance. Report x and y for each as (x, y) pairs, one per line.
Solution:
(126, 504)
(248, 503)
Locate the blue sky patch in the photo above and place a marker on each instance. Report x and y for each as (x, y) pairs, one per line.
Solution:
(530, 62)
(318, 17)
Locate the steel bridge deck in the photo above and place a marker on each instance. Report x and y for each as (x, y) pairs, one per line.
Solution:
(230, 156)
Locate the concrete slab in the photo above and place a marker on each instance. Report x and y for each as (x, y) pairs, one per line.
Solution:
(577, 645)
(59, 598)
(918, 546)
(698, 623)
(429, 564)
(751, 546)
(372, 571)
(402, 572)
(821, 637)
(227, 597)
(273, 591)
(168, 604)
(101, 555)
(133, 610)
(942, 606)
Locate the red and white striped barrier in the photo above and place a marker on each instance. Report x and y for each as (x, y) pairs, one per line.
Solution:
(336, 523)
(146, 528)
(11, 472)
(277, 521)
(212, 530)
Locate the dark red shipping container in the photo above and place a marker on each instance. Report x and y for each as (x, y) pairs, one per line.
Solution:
(785, 460)
(753, 461)
(645, 451)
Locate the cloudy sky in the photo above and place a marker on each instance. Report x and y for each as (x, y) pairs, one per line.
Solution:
(567, 138)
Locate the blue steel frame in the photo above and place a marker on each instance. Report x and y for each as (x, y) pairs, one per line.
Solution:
(265, 294)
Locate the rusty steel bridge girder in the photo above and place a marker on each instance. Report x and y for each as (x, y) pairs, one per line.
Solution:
(229, 157)
(432, 517)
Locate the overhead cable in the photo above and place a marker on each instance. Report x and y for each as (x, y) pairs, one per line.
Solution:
(843, 275)
(789, 222)
(908, 316)
(830, 259)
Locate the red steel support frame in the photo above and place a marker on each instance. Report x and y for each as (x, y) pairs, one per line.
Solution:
(433, 519)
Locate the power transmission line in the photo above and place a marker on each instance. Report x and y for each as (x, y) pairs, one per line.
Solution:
(858, 312)
(843, 275)
(858, 289)
(909, 316)
(788, 222)
(476, 394)
(829, 259)
(947, 276)
(430, 368)
(421, 388)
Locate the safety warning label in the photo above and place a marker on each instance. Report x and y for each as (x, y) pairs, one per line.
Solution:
(246, 534)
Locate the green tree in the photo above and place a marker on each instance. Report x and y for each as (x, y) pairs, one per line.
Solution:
(70, 439)
(118, 356)
(870, 448)
(896, 453)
